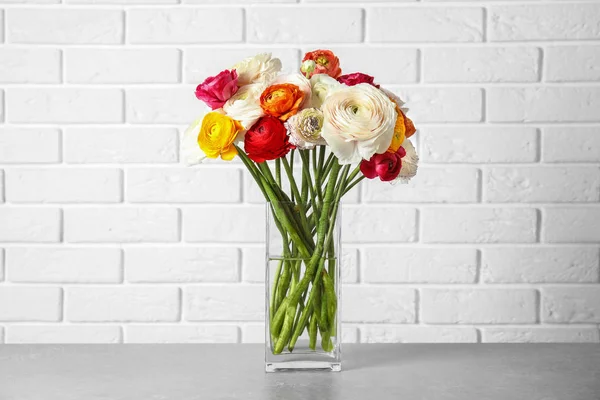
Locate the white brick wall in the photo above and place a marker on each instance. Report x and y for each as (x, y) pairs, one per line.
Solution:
(105, 238)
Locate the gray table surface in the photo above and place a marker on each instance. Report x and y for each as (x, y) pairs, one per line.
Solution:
(385, 371)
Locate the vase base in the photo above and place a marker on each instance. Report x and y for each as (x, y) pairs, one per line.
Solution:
(321, 366)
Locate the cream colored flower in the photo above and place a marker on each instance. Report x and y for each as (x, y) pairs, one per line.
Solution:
(409, 163)
(191, 154)
(300, 81)
(359, 122)
(322, 86)
(260, 68)
(305, 127)
(244, 105)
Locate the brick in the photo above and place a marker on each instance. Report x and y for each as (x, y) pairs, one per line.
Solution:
(28, 224)
(224, 224)
(39, 145)
(571, 225)
(358, 224)
(349, 266)
(541, 184)
(419, 265)
(253, 333)
(540, 265)
(122, 65)
(544, 22)
(30, 66)
(176, 105)
(478, 145)
(531, 334)
(174, 264)
(379, 304)
(296, 25)
(64, 26)
(456, 24)
(132, 2)
(479, 225)
(183, 185)
(2, 262)
(181, 334)
(253, 264)
(63, 265)
(2, 186)
(65, 334)
(416, 334)
(122, 304)
(63, 185)
(200, 63)
(574, 304)
(185, 25)
(121, 145)
(442, 104)
(572, 63)
(2, 27)
(64, 105)
(29, 303)
(376, 61)
(481, 64)
(543, 104)
(224, 303)
(432, 185)
(571, 144)
(121, 225)
(2, 106)
(478, 306)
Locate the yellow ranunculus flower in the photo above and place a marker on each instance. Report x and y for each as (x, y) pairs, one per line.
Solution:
(399, 131)
(217, 133)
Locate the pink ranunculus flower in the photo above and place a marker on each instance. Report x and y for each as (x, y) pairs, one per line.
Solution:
(386, 165)
(356, 78)
(216, 90)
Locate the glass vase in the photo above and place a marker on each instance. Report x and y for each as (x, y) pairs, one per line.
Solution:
(303, 282)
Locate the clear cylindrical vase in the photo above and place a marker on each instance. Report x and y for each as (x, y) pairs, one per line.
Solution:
(303, 282)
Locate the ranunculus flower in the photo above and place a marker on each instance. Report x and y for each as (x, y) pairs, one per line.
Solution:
(282, 100)
(217, 134)
(403, 129)
(356, 78)
(267, 140)
(191, 153)
(359, 122)
(305, 127)
(325, 63)
(386, 166)
(244, 106)
(409, 162)
(298, 80)
(216, 90)
(322, 86)
(260, 68)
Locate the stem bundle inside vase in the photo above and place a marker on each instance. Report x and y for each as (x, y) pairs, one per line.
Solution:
(302, 296)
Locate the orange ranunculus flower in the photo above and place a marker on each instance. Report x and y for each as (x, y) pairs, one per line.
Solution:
(325, 62)
(403, 129)
(281, 100)
(216, 135)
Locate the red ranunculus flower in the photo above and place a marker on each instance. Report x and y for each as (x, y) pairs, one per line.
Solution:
(386, 165)
(325, 63)
(356, 78)
(267, 139)
(216, 90)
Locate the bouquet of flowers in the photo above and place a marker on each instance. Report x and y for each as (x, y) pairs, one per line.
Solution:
(341, 129)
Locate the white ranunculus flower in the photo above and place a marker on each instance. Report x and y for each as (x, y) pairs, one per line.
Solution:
(244, 105)
(305, 127)
(322, 86)
(300, 81)
(191, 154)
(409, 163)
(359, 122)
(260, 68)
